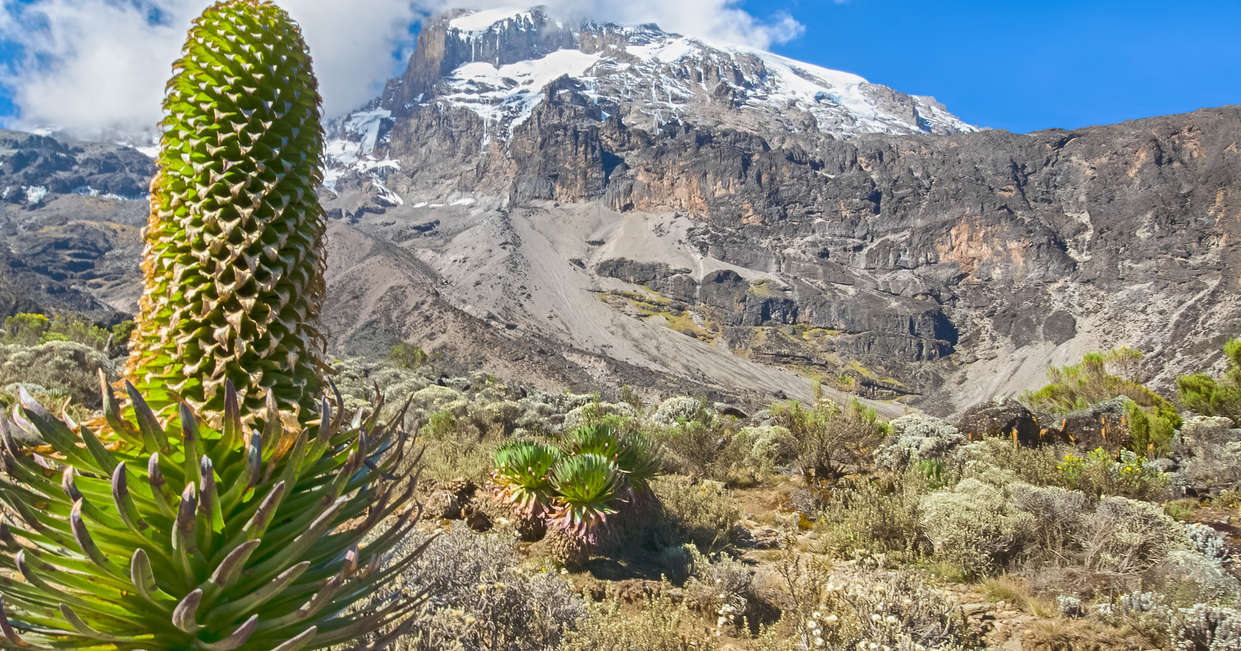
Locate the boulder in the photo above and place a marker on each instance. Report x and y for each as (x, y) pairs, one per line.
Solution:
(1009, 419)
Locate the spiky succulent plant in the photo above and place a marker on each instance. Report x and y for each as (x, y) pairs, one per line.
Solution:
(233, 265)
(636, 456)
(521, 476)
(639, 458)
(587, 492)
(598, 439)
(192, 537)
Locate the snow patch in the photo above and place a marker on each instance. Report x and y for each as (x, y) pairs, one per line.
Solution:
(365, 126)
(509, 93)
(481, 21)
(35, 194)
(354, 150)
(88, 191)
(666, 51)
(386, 196)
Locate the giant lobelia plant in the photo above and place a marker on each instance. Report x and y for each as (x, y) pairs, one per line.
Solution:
(233, 263)
(225, 505)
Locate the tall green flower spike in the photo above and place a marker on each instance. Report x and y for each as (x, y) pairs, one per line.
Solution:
(233, 264)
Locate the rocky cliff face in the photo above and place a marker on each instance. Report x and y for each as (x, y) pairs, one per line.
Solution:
(595, 180)
(617, 205)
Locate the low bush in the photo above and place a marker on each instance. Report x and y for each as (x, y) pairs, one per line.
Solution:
(1127, 536)
(678, 410)
(832, 440)
(1104, 376)
(59, 371)
(916, 439)
(723, 588)
(701, 512)
(1059, 514)
(1189, 576)
(762, 451)
(893, 610)
(1205, 628)
(696, 447)
(974, 527)
(1215, 396)
(614, 414)
(483, 598)
(453, 449)
(1100, 473)
(873, 519)
(1038, 466)
(659, 624)
(1096, 473)
(1147, 613)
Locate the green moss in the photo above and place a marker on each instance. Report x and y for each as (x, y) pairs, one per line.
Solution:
(860, 369)
(650, 304)
(762, 288)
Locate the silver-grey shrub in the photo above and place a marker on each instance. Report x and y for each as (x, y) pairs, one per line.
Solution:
(483, 598)
(1059, 513)
(1207, 541)
(1205, 628)
(916, 438)
(674, 410)
(974, 527)
(1191, 575)
(64, 369)
(766, 449)
(1128, 536)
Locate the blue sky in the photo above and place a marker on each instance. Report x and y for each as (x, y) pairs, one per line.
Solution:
(1020, 66)
(1024, 66)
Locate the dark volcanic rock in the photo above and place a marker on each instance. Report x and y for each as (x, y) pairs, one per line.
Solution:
(1007, 419)
(1104, 425)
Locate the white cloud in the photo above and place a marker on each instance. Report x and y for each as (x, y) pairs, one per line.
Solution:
(720, 20)
(99, 66)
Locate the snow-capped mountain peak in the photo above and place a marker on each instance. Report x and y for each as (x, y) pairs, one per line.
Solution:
(498, 62)
(500, 65)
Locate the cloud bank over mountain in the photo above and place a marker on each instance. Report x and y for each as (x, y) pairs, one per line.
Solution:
(98, 67)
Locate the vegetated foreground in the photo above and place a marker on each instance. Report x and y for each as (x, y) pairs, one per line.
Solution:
(1091, 513)
(223, 503)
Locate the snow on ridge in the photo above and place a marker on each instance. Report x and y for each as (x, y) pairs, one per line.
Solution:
(667, 51)
(649, 78)
(365, 125)
(484, 20)
(511, 91)
(354, 150)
